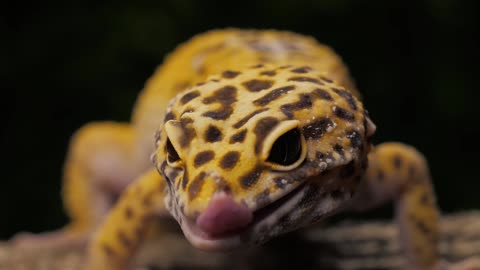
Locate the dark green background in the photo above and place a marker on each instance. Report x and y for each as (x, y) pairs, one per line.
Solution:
(63, 65)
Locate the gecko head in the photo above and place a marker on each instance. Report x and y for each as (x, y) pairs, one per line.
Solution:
(252, 154)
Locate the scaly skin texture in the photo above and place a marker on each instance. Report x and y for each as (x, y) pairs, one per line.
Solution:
(257, 133)
(105, 156)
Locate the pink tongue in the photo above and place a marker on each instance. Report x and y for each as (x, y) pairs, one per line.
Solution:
(224, 215)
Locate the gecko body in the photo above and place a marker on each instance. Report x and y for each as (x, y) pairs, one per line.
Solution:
(253, 134)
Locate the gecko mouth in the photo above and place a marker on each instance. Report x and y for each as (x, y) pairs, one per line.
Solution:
(272, 208)
(266, 216)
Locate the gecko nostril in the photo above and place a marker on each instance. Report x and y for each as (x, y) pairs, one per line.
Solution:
(224, 215)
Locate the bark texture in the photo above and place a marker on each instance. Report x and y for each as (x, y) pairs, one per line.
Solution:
(349, 245)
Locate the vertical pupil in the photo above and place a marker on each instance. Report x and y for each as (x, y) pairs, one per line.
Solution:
(287, 148)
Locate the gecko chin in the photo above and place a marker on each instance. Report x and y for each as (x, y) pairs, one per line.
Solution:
(282, 215)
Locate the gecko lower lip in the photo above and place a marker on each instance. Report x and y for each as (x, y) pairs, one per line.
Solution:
(271, 208)
(241, 236)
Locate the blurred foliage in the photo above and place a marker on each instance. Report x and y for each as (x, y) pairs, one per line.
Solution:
(67, 63)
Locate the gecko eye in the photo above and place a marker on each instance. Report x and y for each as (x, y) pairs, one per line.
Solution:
(287, 151)
(172, 155)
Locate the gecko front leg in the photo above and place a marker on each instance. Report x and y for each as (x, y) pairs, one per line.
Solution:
(400, 173)
(117, 239)
(99, 165)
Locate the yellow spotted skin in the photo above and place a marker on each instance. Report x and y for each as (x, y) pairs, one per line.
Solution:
(212, 115)
(223, 130)
(216, 51)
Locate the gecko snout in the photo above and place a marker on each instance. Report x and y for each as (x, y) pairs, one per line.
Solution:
(224, 215)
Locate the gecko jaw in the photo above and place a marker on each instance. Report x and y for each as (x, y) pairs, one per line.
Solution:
(253, 233)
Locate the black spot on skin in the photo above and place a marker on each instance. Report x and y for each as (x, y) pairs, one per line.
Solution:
(244, 120)
(339, 149)
(305, 79)
(185, 180)
(257, 66)
(324, 157)
(317, 128)
(108, 250)
(229, 74)
(262, 198)
(262, 129)
(223, 185)
(426, 199)
(251, 178)
(343, 114)
(196, 186)
(229, 160)
(123, 238)
(257, 85)
(147, 199)
(348, 97)
(421, 226)
(348, 170)
(200, 84)
(304, 103)
(272, 95)
(188, 133)
(203, 157)
(322, 94)
(238, 137)
(169, 116)
(301, 70)
(218, 115)
(326, 80)
(268, 73)
(213, 134)
(284, 67)
(189, 96)
(226, 96)
(397, 161)
(355, 138)
(129, 213)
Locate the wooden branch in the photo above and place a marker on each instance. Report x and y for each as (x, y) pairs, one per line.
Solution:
(350, 245)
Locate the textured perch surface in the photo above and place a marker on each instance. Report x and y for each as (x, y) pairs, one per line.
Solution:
(350, 245)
